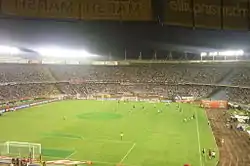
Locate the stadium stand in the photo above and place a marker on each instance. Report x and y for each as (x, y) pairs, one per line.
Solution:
(29, 80)
(142, 73)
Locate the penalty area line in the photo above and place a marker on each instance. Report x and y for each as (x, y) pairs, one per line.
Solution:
(71, 154)
(128, 152)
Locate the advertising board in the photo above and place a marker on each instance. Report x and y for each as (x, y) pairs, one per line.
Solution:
(126, 10)
(236, 14)
(217, 104)
(178, 12)
(56, 9)
(215, 14)
(206, 15)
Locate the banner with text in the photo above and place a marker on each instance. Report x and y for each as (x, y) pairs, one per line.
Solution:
(127, 10)
(215, 14)
(56, 9)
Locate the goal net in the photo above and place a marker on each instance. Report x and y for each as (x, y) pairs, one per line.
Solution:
(21, 149)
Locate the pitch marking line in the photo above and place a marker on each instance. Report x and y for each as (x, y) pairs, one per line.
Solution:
(198, 138)
(108, 163)
(71, 154)
(129, 151)
(94, 161)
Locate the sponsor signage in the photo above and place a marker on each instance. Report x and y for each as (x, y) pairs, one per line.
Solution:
(127, 10)
(55, 9)
(28, 105)
(214, 104)
(215, 14)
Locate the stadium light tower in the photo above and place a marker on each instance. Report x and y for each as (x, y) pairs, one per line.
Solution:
(9, 50)
(225, 54)
(57, 52)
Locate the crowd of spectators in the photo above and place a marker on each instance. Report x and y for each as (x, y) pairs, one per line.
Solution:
(163, 80)
(19, 91)
(24, 73)
(142, 73)
(238, 95)
(168, 91)
(241, 77)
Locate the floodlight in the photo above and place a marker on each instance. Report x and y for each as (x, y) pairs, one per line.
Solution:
(9, 50)
(61, 52)
(232, 53)
(239, 52)
(203, 54)
(213, 53)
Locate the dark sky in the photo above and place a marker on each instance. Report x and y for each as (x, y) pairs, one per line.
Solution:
(114, 37)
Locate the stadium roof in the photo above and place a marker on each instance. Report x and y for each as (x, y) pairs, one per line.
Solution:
(115, 37)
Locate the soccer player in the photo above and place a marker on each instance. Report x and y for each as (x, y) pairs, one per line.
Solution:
(180, 109)
(210, 153)
(213, 154)
(203, 151)
(121, 135)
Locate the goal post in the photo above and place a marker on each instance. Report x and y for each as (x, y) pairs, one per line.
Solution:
(21, 149)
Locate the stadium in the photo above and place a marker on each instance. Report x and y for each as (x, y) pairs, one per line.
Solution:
(113, 83)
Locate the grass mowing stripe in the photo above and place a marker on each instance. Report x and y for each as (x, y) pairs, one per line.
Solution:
(198, 138)
(62, 135)
(57, 152)
(109, 140)
(155, 149)
(76, 137)
(126, 155)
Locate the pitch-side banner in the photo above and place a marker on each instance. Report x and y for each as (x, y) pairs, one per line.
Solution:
(218, 14)
(127, 10)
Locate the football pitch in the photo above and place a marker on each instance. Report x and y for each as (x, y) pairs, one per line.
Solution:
(90, 130)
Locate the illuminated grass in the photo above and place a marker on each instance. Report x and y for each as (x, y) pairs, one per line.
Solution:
(91, 131)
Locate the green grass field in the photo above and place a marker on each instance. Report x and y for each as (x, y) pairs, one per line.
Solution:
(92, 130)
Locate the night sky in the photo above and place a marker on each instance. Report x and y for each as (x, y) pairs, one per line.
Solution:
(114, 37)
